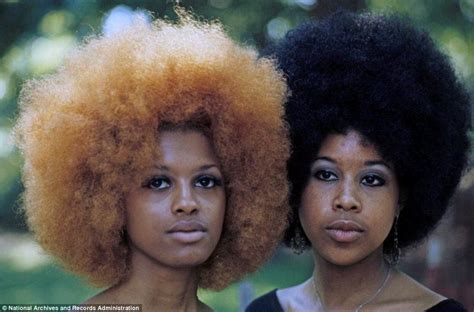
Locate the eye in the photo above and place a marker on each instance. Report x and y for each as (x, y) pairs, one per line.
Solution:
(207, 182)
(325, 175)
(373, 180)
(158, 183)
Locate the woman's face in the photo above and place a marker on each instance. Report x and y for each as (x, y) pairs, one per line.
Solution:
(350, 201)
(175, 215)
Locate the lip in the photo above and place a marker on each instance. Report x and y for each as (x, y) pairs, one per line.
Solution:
(187, 231)
(187, 226)
(344, 231)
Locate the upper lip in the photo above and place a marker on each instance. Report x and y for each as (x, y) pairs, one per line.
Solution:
(345, 225)
(187, 226)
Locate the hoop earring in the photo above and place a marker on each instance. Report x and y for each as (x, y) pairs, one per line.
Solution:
(298, 243)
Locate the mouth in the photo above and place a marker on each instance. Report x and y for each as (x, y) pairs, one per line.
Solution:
(344, 231)
(187, 231)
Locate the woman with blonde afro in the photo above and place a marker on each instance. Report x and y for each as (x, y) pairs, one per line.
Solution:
(155, 162)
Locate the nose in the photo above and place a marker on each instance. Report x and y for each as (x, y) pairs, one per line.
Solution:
(347, 198)
(184, 200)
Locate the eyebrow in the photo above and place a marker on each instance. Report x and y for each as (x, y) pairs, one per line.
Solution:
(366, 163)
(325, 158)
(377, 162)
(205, 167)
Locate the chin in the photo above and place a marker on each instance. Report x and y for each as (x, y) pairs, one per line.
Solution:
(190, 258)
(342, 257)
(187, 263)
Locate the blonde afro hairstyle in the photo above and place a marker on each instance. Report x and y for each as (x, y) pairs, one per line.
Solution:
(88, 130)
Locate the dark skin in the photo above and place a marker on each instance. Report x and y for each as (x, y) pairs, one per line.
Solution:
(347, 210)
(174, 222)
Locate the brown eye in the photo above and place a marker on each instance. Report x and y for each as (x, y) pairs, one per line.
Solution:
(158, 183)
(325, 175)
(373, 180)
(207, 182)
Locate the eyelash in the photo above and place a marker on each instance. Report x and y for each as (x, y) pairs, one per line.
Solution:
(149, 183)
(199, 180)
(378, 181)
(215, 181)
(319, 175)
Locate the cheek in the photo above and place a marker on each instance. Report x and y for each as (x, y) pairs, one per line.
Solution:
(213, 205)
(144, 217)
(383, 212)
(311, 211)
(134, 210)
(140, 206)
(385, 203)
(312, 204)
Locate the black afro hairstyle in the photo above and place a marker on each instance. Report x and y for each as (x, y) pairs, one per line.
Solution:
(381, 76)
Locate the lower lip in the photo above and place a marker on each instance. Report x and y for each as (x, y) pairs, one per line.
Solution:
(341, 236)
(188, 237)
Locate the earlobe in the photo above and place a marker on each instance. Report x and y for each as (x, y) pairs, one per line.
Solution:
(399, 209)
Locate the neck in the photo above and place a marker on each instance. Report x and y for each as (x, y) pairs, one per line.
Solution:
(334, 284)
(155, 285)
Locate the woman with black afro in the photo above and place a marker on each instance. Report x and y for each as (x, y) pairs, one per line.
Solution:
(155, 162)
(378, 124)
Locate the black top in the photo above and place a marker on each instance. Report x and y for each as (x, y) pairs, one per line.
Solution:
(266, 303)
(269, 303)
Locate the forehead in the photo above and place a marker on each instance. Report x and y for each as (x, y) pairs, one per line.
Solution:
(180, 147)
(349, 145)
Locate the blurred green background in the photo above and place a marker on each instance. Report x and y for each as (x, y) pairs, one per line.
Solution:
(35, 36)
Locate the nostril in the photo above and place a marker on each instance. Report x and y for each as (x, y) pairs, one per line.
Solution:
(186, 208)
(346, 206)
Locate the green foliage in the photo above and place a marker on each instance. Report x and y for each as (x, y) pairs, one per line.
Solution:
(44, 284)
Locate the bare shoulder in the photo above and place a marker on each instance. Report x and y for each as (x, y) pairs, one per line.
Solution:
(412, 294)
(106, 296)
(97, 299)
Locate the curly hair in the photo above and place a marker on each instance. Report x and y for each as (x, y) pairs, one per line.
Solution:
(89, 129)
(380, 76)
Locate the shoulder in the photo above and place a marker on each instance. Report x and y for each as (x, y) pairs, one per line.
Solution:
(109, 295)
(266, 303)
(448, 305)
(413, 295)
